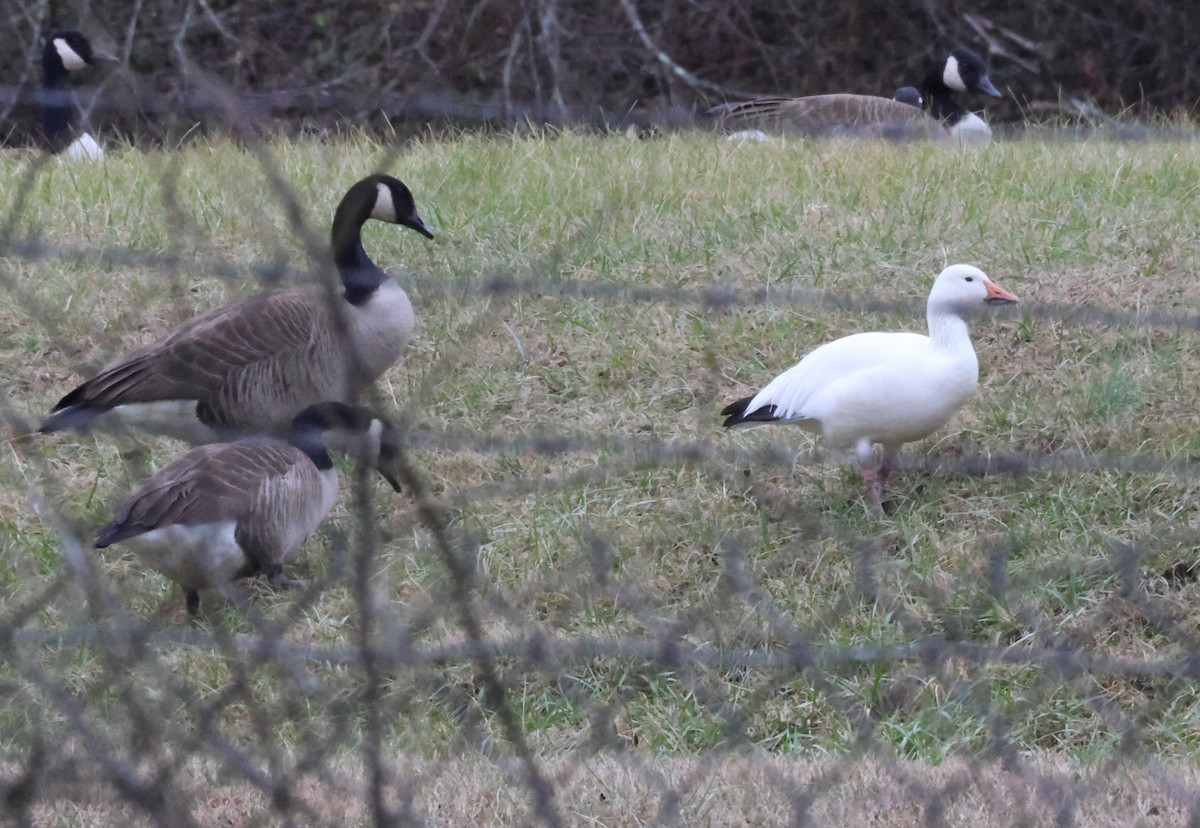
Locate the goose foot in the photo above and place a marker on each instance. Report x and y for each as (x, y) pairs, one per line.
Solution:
(192, 598)
(876, 479)
(875, 487)
(275, 578)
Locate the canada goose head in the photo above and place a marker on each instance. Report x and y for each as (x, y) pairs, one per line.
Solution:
(963, 71)
(378, 197)
(348, 429)
(909, 95)
(963, 290)
(67, 50)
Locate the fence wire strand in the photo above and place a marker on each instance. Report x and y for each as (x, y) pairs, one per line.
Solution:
(127, 709)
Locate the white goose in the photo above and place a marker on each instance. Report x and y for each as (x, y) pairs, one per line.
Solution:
(887, 388)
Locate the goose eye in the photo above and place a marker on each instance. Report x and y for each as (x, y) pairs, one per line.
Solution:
(970, 278)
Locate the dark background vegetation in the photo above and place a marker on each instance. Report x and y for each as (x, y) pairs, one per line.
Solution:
(384, 61)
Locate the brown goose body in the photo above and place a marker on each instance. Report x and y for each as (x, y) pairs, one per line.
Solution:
(226, 511)
(859, 116)
(938, 116)
(251, 365)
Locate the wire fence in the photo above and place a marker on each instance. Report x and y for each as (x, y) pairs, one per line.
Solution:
(466, 699)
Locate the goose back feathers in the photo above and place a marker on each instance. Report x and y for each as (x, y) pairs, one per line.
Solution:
(860, 116)
(897, 118)
(225, 511)
(251, 365)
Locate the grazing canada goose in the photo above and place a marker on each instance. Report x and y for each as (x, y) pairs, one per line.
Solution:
(250, 365)
(887, 388)
(226, 511)
(900, 117)
(66, 51)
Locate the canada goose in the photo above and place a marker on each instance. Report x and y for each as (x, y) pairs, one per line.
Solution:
(226, 511)
(871, 116)
(66, 51)
(909, 95)
(250, 365)
(961, 71)
(887, 388)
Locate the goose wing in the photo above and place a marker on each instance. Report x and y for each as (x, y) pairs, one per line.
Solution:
(801, 393)
(210, 357)
(859, 115)
(210, 484)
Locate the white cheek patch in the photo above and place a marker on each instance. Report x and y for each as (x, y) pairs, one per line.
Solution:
(951, 76)
(385, 208)
(69, 57)
(374, 437)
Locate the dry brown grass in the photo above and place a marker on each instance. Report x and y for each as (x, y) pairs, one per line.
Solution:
(718, 790)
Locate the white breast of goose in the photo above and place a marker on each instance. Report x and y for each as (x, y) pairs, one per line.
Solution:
(971, 128)
(380, 328)
(196, 557)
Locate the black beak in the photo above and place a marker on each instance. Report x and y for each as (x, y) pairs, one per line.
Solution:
(985, 85)
(414, 221)
(391, 479)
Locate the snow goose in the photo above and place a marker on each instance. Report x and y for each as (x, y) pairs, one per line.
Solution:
(233, 510)
(251, 365)
(899, 117)
(887, 388)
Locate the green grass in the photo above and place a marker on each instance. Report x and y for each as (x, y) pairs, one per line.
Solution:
(609, 544)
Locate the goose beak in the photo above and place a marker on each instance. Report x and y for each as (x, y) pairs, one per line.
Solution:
(986, 86)
(414, 222)
(997, 295)
(105, 56)
(392, 481)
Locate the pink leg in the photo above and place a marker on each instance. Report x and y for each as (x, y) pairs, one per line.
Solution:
(875, 481)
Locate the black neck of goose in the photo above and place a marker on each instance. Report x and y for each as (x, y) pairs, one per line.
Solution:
(309, 439)
(360, 275)
(56, 104)
(940, 98)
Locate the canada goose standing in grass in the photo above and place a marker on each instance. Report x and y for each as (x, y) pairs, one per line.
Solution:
(226, 511)
(900, 117)
(250, 365)
(66, 51)
(888, 388)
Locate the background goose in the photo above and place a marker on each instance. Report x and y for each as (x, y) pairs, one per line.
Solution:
(66, 51)
(961, 71)
(232, 510)
(860, 116)
(871, 116)
(887, 388)
(252, 364)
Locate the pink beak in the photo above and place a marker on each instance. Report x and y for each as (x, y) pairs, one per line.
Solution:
(997, 295)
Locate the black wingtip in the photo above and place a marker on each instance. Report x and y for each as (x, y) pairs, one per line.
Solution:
(735, 413)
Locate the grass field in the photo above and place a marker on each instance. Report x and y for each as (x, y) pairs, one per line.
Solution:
(1046, 613)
